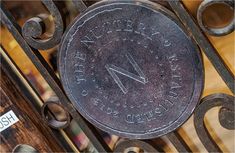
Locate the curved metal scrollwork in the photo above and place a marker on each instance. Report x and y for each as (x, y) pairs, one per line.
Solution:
(226, 117)
(35, 27)
(47, 111)
(178, 142)
(215, 31)
(123, 146)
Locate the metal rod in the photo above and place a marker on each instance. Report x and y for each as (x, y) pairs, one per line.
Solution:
(79, 5)
(51, 78)
(204, 43)
(28, 91)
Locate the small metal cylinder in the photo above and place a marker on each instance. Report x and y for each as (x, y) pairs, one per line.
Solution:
(220, 31)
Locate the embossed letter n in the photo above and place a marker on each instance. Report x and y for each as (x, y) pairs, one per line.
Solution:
(112, 69)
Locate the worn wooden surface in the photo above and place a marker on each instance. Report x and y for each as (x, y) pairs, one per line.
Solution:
(29, 129)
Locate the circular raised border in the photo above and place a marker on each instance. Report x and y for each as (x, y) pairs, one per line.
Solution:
(198, 72)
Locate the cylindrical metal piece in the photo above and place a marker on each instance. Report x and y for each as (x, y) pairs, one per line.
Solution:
(220, 31)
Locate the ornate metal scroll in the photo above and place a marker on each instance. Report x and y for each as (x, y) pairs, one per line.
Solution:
(35, 27)
(54, 122)
(28, 91)
(51, 78)
(215, 31)
(226, 117)
(29, 38)
(178, 142)
(204, 43)
(123, 145)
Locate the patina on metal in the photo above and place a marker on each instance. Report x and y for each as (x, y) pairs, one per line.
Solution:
(226, 117)
(50, 118)
(35, 27)
(226, 102)
(204, 43)
(221, 31)
(48, 74)
(130, 69)
(126, 145)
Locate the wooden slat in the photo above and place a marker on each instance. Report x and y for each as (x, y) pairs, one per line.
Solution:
(30, 129)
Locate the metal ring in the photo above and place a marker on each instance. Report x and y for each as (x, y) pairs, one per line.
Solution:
(215, 31)
(122, 145)
(21, 148)
(54, 123)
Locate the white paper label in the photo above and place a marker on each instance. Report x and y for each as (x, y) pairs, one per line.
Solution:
(7, 119)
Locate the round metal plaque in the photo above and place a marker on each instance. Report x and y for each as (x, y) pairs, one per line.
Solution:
(130, 69)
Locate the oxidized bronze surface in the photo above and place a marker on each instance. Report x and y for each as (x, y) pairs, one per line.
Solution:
(130, 69)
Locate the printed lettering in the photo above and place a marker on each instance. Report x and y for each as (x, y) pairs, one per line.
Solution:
(7, 119)
(129, 26)
(79, 68)
(87, 41)
(175, 85)
(141, 28)
(95, 34)
(104, 108)
(80, 56)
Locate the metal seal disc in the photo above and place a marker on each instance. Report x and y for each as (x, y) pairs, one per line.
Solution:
(130, 69)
